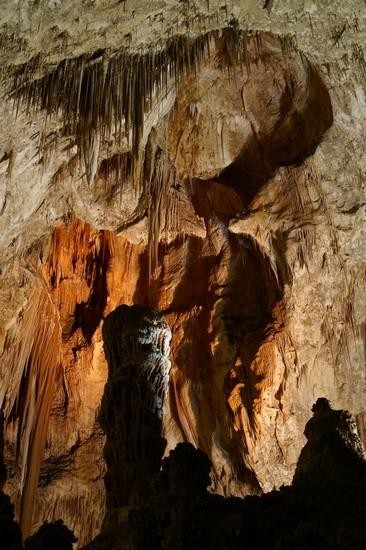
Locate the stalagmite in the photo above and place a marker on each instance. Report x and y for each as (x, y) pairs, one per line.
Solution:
(136, 343)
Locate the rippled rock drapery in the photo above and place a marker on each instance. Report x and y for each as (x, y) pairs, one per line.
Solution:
(50, 535)
(136, 343)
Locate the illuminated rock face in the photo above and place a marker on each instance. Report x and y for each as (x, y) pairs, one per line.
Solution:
(136, 343)
(246, 232)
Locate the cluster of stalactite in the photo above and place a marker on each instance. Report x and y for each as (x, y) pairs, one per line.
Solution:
(163, 211)
(109, 92)
(104, 97)
(136, 343)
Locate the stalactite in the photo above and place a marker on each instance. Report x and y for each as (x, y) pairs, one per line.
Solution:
(90, 143)
(108, 93)
(288, 43)
(358, 57)
(231, 45)
(162, 212)
(115, 170)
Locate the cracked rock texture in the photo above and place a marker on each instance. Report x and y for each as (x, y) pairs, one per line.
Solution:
(244, 226)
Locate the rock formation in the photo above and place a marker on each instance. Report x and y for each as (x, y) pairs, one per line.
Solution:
(333, 451)
(136, 343)
(10, 534)
(204, 159)
(323, 509)
(51, 535)
(55, 535)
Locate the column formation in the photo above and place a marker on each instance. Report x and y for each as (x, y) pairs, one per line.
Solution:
(137, 346)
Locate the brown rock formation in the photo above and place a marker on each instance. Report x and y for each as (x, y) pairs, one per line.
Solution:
(55, 535)
(334, 450)
(228, 324)
(216, 176)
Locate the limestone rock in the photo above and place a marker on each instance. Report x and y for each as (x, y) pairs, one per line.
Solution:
(10, 534)
(136, 343)
(230, 198)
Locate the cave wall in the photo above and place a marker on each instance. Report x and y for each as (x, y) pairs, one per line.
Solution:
(256, 256)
